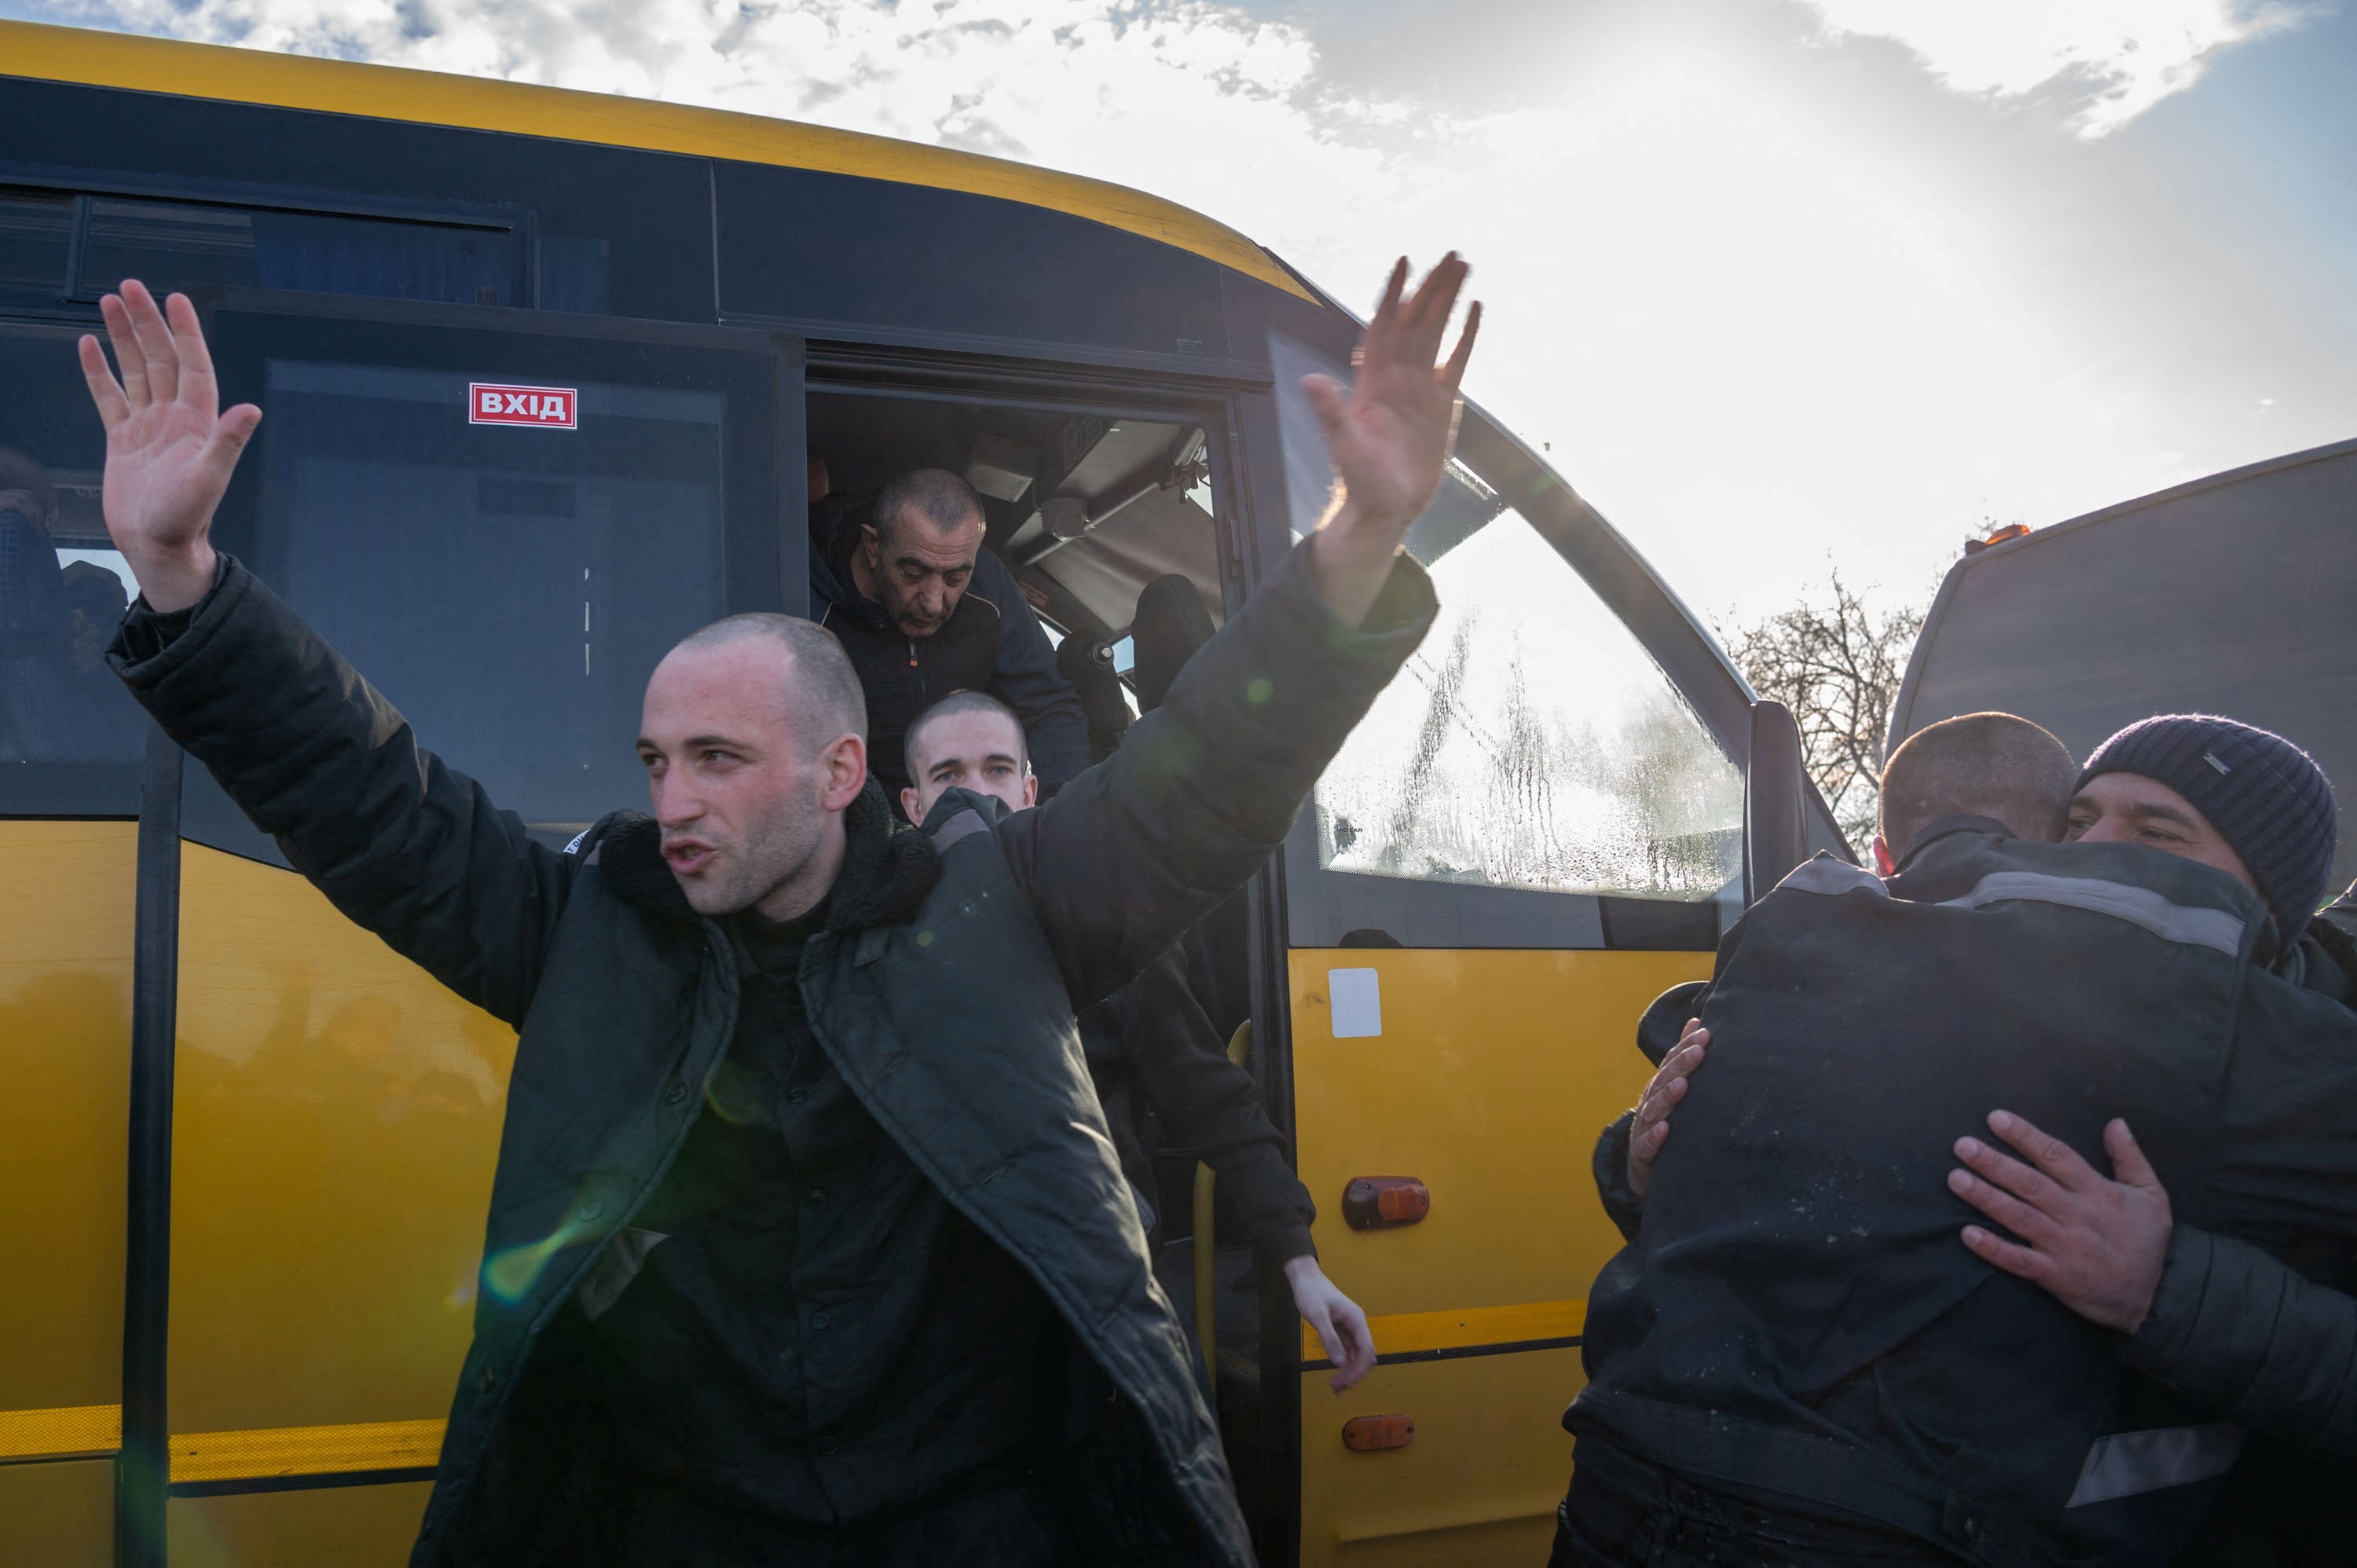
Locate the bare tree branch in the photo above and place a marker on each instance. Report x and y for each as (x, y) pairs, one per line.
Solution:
(1837, 666)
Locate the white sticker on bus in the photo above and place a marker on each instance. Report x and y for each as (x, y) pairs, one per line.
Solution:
(547, 408)
(1357, 996)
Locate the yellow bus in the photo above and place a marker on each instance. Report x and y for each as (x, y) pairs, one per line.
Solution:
(544, 375)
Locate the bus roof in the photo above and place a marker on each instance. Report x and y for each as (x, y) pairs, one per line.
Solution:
(435, 98)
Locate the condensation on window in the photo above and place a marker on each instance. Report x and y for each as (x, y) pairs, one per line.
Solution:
(1531, 742)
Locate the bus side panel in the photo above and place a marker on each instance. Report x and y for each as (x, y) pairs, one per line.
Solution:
(350, 1527)
(65, 1073)
(337, 1114)
(1480, 1483)
(58, 1515)
(1486, 1075)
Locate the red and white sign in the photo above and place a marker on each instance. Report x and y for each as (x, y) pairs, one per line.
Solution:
(551, 408)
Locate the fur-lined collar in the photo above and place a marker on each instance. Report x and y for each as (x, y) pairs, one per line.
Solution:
(888, 868)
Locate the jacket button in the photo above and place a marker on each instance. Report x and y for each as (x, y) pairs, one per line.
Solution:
(675, 1093)
(821, 1320)
(796, 1096)
(591, 1207)
(815, 1197)
(1972, 1527)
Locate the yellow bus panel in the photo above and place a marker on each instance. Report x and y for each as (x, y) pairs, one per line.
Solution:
(1486, 1075)
(1494, 1074)
(335, 1117)
(343, 1526)
(58, 1515)
(1477, 1487)
(65, 1059)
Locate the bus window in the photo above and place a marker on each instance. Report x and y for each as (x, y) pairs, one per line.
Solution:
(69, 736)
(1531, 742)
(575, 273)
(180, 245)
(509, 590)
(36, 230)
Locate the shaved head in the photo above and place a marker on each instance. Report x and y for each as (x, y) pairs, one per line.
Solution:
(754, 736)
(822, 691)
(952, 707)
(1980, 764)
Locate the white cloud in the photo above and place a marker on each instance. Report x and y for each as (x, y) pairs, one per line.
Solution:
(1758, 321)
(2110, 59)
(1076, 83)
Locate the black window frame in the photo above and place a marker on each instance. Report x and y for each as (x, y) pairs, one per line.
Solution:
(519, 224)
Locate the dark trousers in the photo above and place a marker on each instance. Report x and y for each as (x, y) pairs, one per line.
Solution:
(1623, 1511)
(1010, 1527)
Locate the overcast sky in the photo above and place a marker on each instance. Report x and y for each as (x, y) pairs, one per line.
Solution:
(1781, 281)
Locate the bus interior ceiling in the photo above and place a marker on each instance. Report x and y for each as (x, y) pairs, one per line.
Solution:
(1086, 510)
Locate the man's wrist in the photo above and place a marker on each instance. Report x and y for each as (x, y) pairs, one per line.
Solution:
(1354, 528)
(178, 580)
(1350, 554)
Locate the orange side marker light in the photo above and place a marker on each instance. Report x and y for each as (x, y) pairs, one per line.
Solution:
(1368, 1433)
(1379, 1203)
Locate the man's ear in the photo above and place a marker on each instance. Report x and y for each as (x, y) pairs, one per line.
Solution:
(843, 771)
(1030, 789)
(1885, 862)
(909, 801)
(871, 542)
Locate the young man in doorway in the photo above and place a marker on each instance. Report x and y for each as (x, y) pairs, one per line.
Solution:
(1150, 1048)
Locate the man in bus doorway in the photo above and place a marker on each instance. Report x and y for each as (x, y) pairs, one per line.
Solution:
(924, 609)
(795, 1091)
(1153, 1054)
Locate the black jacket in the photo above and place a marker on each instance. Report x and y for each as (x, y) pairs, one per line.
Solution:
(1153, 1048)
(948, 1008)
(1796, 1312)
(992, 644)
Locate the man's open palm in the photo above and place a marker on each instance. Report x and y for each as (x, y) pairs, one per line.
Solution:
(1389, 433)
(170, 451)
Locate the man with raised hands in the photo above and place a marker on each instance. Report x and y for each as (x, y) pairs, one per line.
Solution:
(798, 1111)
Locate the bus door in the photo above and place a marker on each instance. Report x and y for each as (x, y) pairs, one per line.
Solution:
(1531, 836)
(502, 519)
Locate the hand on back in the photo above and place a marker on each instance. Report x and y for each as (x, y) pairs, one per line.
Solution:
(1651, 1127)
(2096, 1244)
(169, 450)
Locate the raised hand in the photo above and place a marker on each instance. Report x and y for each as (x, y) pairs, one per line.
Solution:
(170, 451)
(1389, 433)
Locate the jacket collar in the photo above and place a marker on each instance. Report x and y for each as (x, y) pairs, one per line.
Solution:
(888, 868)
(834, 534)
(1944, 827)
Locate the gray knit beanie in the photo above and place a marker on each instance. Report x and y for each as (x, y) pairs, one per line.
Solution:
(2265, 796)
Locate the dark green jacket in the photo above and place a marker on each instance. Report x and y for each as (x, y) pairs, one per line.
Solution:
(946, 1002)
